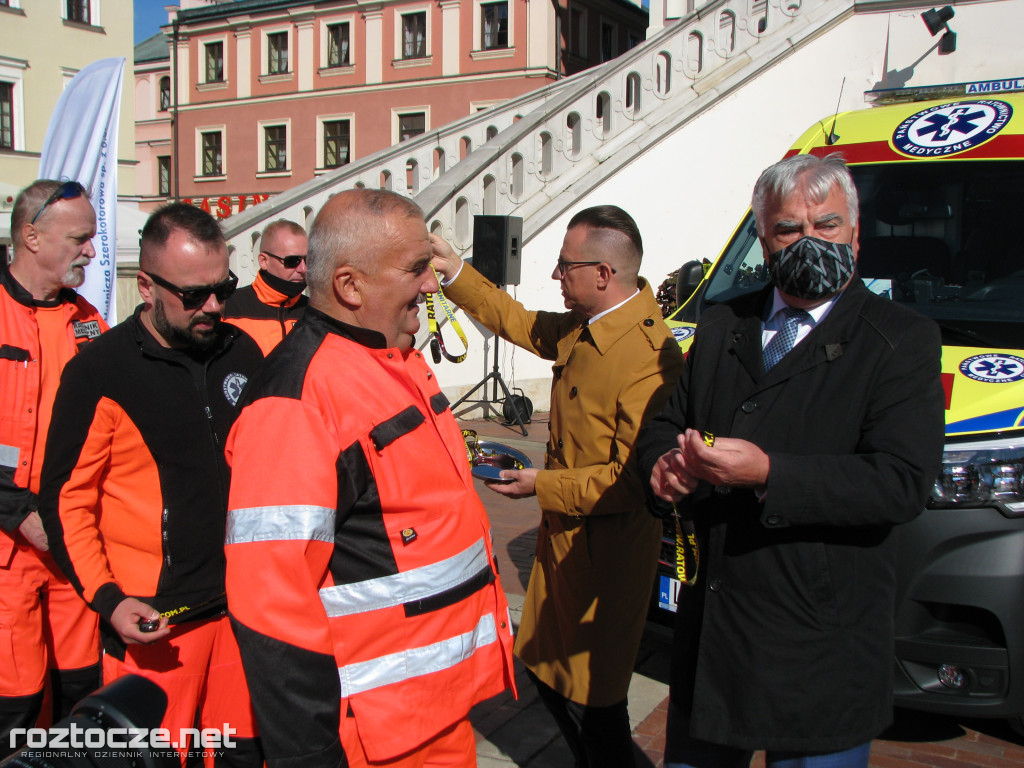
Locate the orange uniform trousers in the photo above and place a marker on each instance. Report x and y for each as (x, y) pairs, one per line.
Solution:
(454, 747)
(44, 625)
(200, 670)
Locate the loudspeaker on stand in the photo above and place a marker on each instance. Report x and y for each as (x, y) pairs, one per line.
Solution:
(497, 248)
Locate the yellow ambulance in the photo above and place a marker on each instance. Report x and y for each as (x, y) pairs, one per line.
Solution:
(941, 185)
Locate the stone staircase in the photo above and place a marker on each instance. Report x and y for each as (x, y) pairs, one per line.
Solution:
(535, 155)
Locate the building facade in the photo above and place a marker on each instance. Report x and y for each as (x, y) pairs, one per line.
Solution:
(153, 121)
(270, 93)
(42, 46)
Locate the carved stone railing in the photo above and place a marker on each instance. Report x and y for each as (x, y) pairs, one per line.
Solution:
(534, 155)
(408, 168)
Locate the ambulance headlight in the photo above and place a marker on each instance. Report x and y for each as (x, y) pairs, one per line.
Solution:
(980, 474)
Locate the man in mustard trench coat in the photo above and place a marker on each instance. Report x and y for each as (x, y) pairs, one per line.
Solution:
(615, 363)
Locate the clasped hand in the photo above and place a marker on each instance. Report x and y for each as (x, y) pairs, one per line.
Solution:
(730, 461)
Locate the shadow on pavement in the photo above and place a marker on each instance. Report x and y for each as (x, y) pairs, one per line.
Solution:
(521, 551)
(912, 726)
(997, 729)
(642, 760)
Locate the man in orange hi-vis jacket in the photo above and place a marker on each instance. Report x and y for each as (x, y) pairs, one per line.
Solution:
(43, 324)
(269, 308)
(367, 594)
(134, 489)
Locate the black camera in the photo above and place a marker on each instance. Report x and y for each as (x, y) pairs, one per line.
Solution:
(100, 730)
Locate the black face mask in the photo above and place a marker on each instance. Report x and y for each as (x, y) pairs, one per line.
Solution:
(279, 284)
(811, 268)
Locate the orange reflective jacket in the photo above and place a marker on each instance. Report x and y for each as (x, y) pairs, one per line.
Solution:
(360, 572)
(21, 372)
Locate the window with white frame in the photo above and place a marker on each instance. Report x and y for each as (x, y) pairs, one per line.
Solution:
(12, 103)
(411, 124)
(275, 148)
(214, 55)
(277, 53)
(163, 175)
(338, 45)
(337, 140)
(212, 153)
(414, 35)
(493, 25)
(6, 115)
(78, 10)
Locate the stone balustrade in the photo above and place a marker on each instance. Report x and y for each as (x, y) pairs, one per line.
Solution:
(534, 155)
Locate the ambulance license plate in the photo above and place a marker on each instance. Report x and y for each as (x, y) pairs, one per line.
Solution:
(668, 593)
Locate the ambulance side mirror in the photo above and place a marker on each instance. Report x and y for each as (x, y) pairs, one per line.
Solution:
(687, 280)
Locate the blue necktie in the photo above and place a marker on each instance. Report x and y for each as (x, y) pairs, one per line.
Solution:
(784, 340)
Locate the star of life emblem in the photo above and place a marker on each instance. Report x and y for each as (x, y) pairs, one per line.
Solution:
(952, 128)
(682, 333)
(234, 383)
(993, 368)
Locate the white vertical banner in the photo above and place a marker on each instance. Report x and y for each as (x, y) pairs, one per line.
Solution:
(81, 145)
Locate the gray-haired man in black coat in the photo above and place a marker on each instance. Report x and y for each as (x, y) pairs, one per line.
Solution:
(827, 408)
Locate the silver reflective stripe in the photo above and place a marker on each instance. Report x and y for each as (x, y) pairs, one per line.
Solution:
(299, 522)
(8, 455)
(399, 588)
(395, 667)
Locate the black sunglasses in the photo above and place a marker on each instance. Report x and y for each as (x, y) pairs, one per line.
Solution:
(194, 298)
(66, 191)
(290, 262)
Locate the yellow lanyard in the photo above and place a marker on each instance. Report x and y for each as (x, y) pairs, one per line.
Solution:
(686, 550)
(436, 342)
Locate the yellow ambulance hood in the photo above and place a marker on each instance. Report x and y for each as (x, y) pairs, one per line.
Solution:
(986, 127)
(984, 390)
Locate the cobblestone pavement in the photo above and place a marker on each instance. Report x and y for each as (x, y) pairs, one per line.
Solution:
(519, 732)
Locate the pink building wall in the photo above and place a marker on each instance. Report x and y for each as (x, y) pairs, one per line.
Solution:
(432, 85)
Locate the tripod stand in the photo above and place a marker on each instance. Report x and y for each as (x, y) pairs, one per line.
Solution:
(488, 405)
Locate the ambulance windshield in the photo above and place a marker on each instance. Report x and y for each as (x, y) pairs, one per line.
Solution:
(943, 238)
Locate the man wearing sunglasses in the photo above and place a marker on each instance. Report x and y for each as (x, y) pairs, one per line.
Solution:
(135, 485)
(615, 362)
(269, 308)
(43, 324)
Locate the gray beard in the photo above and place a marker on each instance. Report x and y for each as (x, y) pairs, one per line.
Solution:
(73, 279)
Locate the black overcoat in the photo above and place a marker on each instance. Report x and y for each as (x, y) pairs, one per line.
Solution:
(786, 643)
